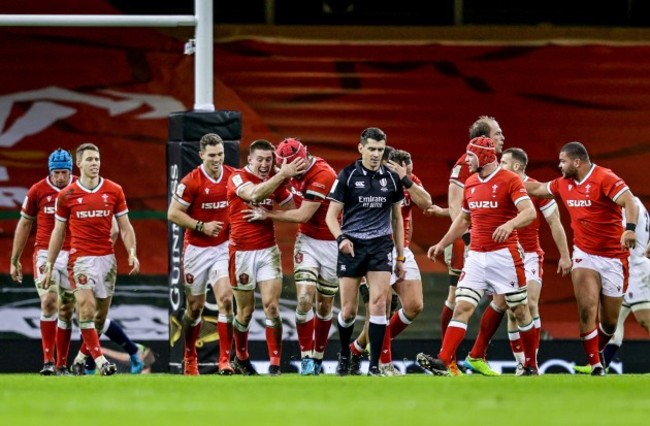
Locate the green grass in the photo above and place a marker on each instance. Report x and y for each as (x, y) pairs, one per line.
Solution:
(28, 399)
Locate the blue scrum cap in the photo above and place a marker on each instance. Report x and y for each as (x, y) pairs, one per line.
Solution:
(59, 160)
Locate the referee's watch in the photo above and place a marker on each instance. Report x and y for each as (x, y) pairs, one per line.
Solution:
(340, 238)
(401, 258)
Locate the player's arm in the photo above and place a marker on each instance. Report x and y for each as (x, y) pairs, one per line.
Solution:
(177, 213)
(455, 203)
(398, 228)
(418, 194)
(626, 200)
(436, 210)
(128, 238)
(289, 204)
(21, 235)
(458, 228)
(53, 250)
(559, 236)
(332, 220)
(115, 231)
(454, 200)
(538, 189)
(526, 214)
(263, 190)
(398, 239)
(299, 215)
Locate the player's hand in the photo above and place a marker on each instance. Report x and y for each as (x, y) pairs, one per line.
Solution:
(255, 213)
(435, 210)
(435, 251)
(213, 228)
(134, 263)
(502, 233)
(400, 270)
(294, 168)
(46, 279)
(564, 266)
(397, 168)
(346, 246)
(628, 240)
(16, 271)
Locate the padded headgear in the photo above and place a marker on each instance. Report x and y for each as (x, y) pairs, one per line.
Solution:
(484, 149)
(59, 160)
(290, 148)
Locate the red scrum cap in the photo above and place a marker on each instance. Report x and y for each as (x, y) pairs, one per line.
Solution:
(290, 148)
(484, 149)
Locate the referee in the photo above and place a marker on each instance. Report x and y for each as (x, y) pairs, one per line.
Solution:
(370, 197)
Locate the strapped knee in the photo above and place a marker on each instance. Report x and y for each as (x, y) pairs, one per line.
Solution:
(305, 276)
(327, 289)
(519, 297)
(469, 295)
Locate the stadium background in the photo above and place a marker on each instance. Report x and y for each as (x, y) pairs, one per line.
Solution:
(561, 75)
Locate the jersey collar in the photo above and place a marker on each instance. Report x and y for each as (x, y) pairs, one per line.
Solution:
(56, 188)
(95, 189)
(359, 166)
(210, 178)
(490, 176)
(591, 170)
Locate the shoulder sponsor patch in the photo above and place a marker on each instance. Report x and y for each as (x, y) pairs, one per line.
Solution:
(25, 202)
(237, 180)
(455, 172)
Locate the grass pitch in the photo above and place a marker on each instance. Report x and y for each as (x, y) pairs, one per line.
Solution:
(157, 399)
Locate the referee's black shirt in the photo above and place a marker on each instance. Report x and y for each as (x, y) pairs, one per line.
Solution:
(367, 197)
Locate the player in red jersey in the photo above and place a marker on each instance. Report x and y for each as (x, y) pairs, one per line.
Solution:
(495, 203)
(39, 206)
(87, 207)
(594, 196)
(200, 205)
(516, 160)
(455, 253)
(314, 254)
(254, 253)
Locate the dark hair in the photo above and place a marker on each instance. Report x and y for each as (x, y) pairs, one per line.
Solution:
(261, 145)
(400, 156)
(518, 154)
(372, 133)
(575, 150)
(481, 127)
(85, 147)
(210, 139)
(388, 150)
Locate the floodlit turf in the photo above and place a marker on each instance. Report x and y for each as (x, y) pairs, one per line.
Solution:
(290, 399)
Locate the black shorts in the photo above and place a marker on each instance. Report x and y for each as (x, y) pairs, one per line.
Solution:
(369, 255)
